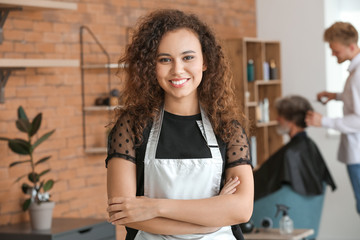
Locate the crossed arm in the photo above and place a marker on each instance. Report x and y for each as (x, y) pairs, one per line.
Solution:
(168, 216)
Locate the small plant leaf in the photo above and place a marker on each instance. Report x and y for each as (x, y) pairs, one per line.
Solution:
(41, 139)
(48, 185)
(25, 187)
(44, 172)
(33, 177)
(26, 204)
(18, 162)
(21, 113)
(20, 146)
(44, 159)
(35, 125)
(19, 178)
(23, 125)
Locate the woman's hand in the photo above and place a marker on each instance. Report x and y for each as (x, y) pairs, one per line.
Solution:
(230, 186)
(123, 210)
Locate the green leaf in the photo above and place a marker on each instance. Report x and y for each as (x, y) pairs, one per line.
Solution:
(19, 178)
(48, 185)
(18, 162)
(35, 125)
(43, 138)
(23, 125)
(26, 204)
(33, 177)
(22, 114)
(44, 172)
(42, 160)
(25, 187)
(20, 146)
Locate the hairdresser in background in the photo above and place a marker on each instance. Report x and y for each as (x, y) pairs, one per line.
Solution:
(342, 38)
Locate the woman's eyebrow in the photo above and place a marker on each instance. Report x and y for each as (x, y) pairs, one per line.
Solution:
(188, 51)
(163, 54)
(183, 53)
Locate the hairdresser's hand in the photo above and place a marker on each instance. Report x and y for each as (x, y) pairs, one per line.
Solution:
(123, 210)
(230, 186)
(324, 97)
(313, 119)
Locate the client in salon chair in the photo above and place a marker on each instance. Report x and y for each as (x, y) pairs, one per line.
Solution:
(299, 163)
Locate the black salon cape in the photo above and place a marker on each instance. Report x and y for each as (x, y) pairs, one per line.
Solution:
(299, 163)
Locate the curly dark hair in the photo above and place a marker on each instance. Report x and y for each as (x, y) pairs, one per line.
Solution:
(294, 108)
(143, 96)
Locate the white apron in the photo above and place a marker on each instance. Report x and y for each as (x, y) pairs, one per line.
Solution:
(183, 178)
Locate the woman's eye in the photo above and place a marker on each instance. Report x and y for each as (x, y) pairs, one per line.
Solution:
(164, 60)
(187, 58)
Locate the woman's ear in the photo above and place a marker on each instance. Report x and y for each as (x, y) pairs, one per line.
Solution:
(204, 67)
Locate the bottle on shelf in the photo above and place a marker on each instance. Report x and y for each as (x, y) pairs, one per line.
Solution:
(250, 71)
(273, 70)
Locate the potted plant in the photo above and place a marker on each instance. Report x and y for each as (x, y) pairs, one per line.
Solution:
(39, 204)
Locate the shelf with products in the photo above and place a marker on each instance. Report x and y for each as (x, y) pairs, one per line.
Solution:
(256, 68)
(99, 102)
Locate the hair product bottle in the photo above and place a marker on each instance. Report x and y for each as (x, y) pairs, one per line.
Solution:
(286, 225)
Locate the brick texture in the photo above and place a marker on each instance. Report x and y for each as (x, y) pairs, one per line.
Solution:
(80, 189)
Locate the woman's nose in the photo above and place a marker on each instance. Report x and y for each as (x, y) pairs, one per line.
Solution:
(178, 67)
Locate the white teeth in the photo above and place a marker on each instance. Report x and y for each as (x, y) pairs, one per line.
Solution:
(179, 82)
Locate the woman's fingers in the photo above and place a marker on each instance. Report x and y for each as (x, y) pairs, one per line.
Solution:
(230, 186)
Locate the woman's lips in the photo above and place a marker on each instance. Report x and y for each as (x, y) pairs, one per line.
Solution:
(179, 82)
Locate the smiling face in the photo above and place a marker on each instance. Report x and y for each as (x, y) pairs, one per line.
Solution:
(180, 65)
(340, 51)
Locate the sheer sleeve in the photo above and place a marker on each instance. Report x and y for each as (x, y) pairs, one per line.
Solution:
(238, 149)
(121, 141)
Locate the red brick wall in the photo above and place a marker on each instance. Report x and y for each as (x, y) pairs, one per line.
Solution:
(80, 190)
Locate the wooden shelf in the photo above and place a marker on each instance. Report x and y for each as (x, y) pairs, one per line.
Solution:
(96, 150)
(34, 63)
(267, 82)
(103, 66)
(251, 94)
(38, 4)
(99, 108)
(266, 124)
(251, 104)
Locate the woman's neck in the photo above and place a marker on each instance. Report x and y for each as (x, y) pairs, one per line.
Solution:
(182, 107)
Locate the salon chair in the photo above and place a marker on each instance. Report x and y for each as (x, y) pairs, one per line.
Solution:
(305, 211)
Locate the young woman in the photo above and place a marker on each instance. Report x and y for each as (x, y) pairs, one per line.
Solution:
(178, 137)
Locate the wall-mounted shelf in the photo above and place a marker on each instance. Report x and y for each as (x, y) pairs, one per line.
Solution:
(98, 108)
(17, 5)
(10, 64)
(34, 63)
(38, 4)
(95, 150)
(103, 66)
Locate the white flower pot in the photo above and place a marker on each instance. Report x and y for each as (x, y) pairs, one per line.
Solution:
(41, 215)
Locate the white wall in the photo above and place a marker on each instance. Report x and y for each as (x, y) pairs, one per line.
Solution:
(299, 25)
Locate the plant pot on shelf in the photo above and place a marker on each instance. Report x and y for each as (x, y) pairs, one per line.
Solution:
(41, 215)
